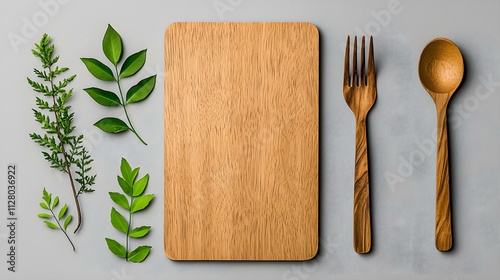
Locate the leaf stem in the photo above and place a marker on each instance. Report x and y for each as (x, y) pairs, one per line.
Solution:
(60, 227)
(65, 157)
(131, 127)
(128, 229)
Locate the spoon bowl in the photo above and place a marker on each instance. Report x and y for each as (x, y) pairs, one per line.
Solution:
(441, 69)
(441, 66)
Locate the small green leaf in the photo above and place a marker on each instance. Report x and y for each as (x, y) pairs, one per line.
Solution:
(103, 97)
(98, 69)
(140, 185)
(51, 225)
(44, 206)
(133, 64)
(118, 221)
(112, 125)
(139, 254)
(67, 221)
(112, 45)
(141, 203)
(134, 175)
(126, 170)
(44, 216)
(62, 211)
(46, 196)
(126, 188)
(116, 248)
(139, 232)
(141, 90)
(119, 199)
(56, 201)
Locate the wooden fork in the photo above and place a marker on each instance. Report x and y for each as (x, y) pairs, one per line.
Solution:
(360, 92)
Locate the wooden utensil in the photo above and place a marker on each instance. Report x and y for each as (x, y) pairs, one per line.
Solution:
(241, 141)
(441, 69)
(360, 92)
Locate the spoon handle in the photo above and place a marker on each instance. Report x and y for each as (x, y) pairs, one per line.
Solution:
(443, 213)
(362, 221)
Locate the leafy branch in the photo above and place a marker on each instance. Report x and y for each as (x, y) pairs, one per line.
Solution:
(134, 189)
(46, 204)
(112, 48)
(63, 149)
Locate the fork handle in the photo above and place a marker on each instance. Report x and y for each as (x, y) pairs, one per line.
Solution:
(362, 221)
(443, 234)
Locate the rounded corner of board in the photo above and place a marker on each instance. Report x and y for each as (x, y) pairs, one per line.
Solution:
(171, 26)
(311, 255)
(171, 256)
(312, 27)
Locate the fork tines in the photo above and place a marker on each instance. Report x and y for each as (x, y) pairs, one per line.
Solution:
(365, 79)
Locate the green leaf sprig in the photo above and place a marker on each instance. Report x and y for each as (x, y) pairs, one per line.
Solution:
(64, 150)
(113, 48)
(138, 201)
(50, 205)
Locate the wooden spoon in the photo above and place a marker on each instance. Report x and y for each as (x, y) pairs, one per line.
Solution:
(441, 69)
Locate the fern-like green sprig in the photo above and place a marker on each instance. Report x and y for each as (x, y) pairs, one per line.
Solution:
(63, 149)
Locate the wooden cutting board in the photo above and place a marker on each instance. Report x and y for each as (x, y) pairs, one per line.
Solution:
(241, 141)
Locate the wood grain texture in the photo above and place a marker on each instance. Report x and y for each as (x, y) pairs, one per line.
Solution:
(241, 141)
(443, 211)
(441, 69)
(362, 235)
(360, 94)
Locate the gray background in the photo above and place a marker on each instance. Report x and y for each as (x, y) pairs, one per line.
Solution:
(402, 170)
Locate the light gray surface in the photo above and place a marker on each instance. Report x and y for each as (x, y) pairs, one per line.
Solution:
(404, 115)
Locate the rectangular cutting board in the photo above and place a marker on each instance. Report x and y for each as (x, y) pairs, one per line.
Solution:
(241, 141)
